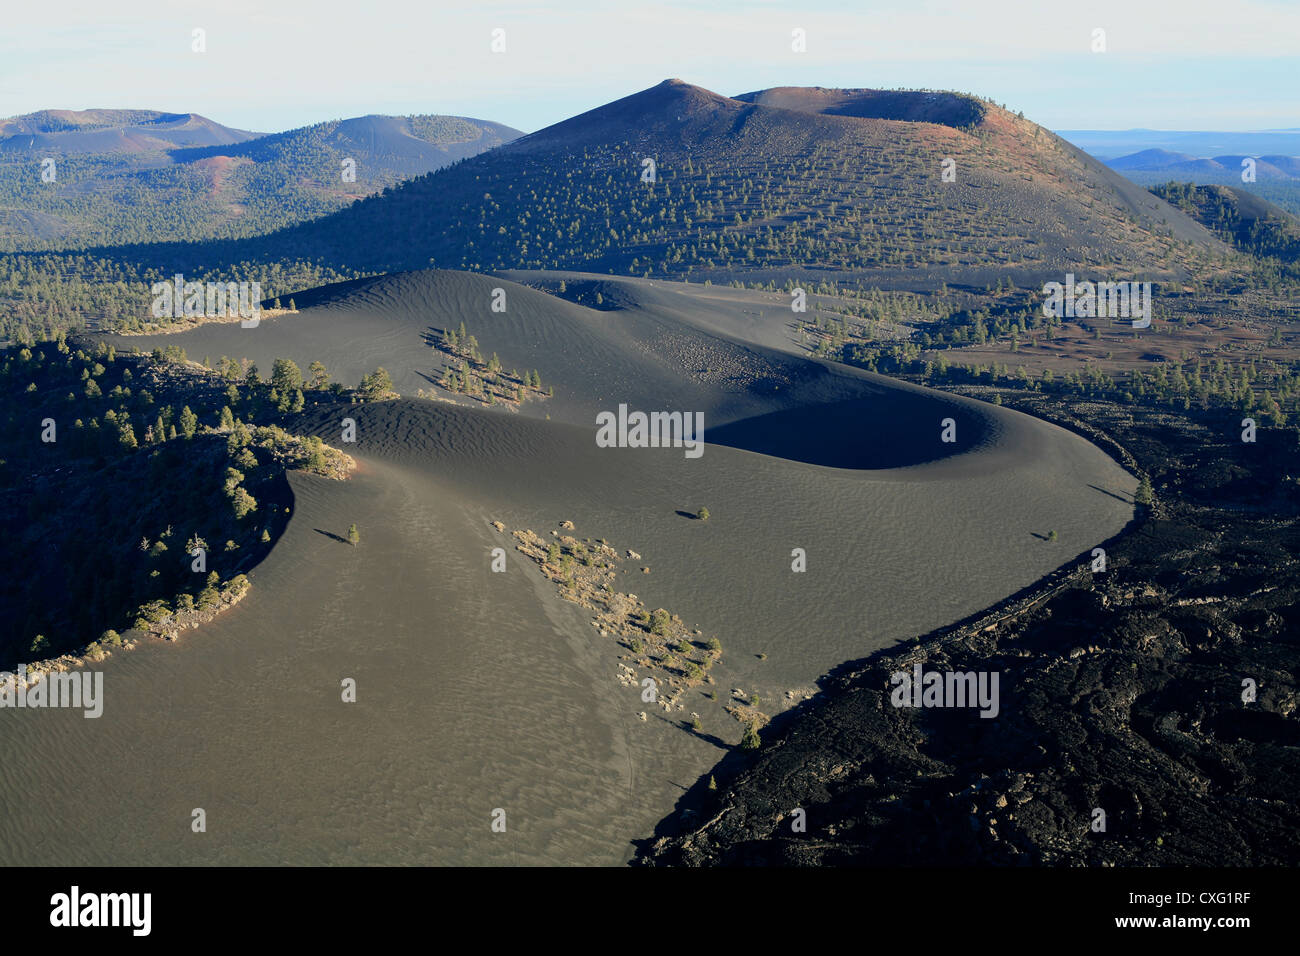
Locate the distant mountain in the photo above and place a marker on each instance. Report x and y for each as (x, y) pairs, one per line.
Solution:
(1277, 177)
(1150, 159)
(1184, 165)
(1109, 144)
(396, 147)
(1287, 164)
(830, 188)
(775, 185)
(124, 176)
(72, 132)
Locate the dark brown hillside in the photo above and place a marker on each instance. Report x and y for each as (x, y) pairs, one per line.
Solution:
(673, 108)
(826, 185)
(913, 106)
(828, 188)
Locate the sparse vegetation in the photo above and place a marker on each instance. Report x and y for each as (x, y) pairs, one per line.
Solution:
(151, 417)
(658, 640)
(469, 374)
(376, 386)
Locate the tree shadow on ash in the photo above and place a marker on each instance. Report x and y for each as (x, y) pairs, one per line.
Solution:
(1127, 500)
(331, 534)
(687, 728)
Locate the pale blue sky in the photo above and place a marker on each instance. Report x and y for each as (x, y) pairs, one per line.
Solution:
(1179, 64)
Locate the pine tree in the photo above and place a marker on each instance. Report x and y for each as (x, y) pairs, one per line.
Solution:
(376, 384)
(285, 376)
(1144, 495)
(354, 536)
(242, 502)
(319, 376)
(189, 422)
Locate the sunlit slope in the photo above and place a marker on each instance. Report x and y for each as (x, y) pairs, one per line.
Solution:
(763, 186)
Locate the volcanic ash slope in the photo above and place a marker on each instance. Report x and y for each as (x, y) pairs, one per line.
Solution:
(481, 690)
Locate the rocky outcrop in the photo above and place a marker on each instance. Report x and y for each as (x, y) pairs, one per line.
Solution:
(1147, 712)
